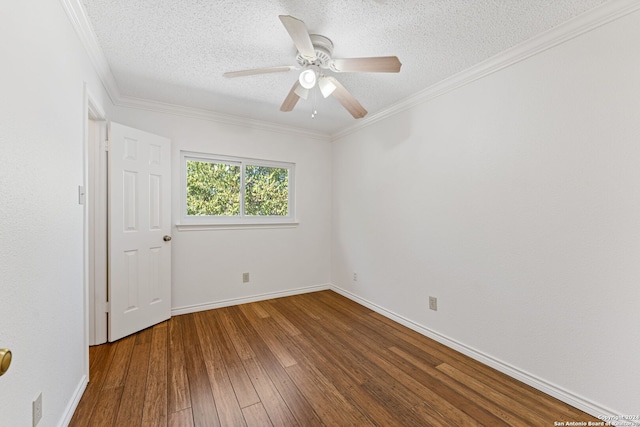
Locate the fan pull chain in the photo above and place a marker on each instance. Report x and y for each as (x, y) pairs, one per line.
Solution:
(314, 112)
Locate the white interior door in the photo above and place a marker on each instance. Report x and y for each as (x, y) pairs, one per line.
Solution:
(139, 230)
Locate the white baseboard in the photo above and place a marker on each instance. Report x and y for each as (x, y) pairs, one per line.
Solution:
(73, 403)
(559, 393)
(244, 300)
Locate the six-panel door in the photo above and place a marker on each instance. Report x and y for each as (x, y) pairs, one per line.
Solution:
(139, 219)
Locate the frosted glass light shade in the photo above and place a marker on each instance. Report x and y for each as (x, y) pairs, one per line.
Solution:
(326, 86)
(301, 92)
(307, 79)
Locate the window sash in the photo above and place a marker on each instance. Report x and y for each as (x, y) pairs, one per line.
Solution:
(242, 218)
(214, 162)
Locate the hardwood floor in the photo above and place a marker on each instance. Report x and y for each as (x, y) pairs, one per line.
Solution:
(312, 359)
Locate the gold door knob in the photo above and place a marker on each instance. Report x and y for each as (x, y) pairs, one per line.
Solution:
(5, 360)
(166, 238)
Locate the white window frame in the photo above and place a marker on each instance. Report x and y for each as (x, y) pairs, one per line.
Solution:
(242, 220)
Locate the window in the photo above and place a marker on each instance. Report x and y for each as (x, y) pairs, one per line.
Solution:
(232, 190)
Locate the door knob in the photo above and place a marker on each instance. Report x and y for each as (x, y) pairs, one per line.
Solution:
(166, 238)
(5, 360)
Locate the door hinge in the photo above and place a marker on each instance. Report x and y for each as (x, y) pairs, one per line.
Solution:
(106, 145)
(107, 307)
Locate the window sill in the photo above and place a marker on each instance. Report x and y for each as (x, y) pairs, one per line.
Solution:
(235, 226)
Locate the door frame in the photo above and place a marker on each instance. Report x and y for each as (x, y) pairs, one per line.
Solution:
(97, 199)
(93, 111)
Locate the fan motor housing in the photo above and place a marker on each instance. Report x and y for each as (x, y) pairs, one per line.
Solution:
(323, 47)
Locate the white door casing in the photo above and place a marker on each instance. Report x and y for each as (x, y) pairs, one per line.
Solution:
(97, 242)
(139, 218)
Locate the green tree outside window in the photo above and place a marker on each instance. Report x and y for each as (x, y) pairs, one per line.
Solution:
(214, 189)
(266, 191)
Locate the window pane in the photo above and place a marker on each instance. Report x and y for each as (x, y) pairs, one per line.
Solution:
(213, 189)
(266, 191)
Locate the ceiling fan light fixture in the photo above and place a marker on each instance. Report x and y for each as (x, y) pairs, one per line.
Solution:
(326, 87)
(301, 92)
(314, 55)
(307, 79)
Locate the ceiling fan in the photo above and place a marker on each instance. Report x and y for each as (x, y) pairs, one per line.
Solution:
(313, 58)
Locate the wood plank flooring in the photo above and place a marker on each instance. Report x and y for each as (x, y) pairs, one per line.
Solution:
(307, 360)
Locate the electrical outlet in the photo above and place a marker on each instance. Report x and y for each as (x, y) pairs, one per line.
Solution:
(37, 410)
(355, 277)
(433, 303)
(245, 277)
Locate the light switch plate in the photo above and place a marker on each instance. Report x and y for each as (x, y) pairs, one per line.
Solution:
(37, 410)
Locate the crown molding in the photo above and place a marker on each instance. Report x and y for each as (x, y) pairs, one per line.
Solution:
(581, 24)
(227, 119)
(573, 28)
(82, 26)
(76, 14)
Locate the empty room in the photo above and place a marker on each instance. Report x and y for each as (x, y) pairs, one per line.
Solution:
(369, 212)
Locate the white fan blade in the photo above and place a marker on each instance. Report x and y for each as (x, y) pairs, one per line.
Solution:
(378, 64)
(292, 98)
(347, 100)
(326, 86)
(258, 71)
(300, 35)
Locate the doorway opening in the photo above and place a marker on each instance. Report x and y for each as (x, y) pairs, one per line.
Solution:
(94, 197)
(127, 229)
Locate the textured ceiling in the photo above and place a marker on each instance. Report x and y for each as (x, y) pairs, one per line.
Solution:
(176, 51)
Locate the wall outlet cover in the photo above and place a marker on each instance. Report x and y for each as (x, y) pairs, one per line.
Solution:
(37, 410)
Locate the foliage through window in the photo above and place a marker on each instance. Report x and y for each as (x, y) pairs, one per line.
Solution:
(226, 189)
(213, 189)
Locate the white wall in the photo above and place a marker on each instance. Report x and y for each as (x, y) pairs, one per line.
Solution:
(41, 223)
(41, 232)
(207, 265)
(516, 201)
